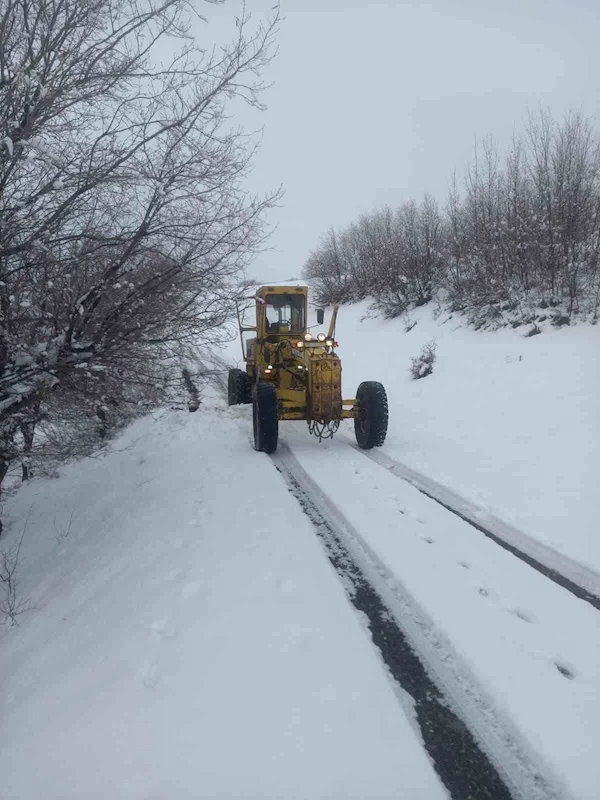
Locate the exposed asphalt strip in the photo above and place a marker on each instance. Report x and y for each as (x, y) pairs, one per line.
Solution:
(583, 583)
(463, 767)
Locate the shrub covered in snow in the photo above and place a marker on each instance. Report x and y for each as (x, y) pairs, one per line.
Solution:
(422, 365)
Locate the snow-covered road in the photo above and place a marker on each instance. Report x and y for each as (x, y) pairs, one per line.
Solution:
(511, 633)
(517, 653)
(189, 638)
(508, 423)
(580, 580)
(514, 647)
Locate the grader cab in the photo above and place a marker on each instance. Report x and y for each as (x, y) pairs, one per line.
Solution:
(294, 374)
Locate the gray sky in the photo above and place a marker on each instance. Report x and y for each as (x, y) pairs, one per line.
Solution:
(376, 103)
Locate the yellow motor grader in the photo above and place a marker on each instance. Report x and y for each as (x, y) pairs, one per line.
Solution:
(292, 373)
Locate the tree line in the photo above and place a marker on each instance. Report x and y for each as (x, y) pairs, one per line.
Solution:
(521, 230)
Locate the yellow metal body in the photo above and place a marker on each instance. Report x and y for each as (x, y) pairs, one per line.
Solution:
(307, 374)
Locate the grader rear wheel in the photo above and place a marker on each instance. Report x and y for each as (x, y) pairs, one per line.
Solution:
(265, 417)
(238, 390)
(371, 421)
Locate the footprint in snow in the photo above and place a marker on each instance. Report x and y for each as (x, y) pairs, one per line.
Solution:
(567, 672)
(464, 564)
(428, 539)
(483, 592)
(521, 614)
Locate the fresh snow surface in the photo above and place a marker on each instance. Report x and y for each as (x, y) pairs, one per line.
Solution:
(510, 423)
(529, 648)
(188, 637)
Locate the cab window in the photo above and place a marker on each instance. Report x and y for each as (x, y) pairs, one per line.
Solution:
(284, 313)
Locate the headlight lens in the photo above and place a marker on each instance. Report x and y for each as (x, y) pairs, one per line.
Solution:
(321, 337)
(308, 337)
(300, 344)
(329, 342)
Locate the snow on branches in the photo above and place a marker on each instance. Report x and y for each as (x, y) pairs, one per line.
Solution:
(123, 216)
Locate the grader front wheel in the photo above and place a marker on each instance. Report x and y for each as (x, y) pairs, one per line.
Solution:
(371, 421)
(265, 417)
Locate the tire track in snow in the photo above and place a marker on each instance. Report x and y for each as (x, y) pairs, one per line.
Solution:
(452, 715)
(581, 581)
(472, 752)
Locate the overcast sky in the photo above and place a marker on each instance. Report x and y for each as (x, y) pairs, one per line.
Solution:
(374, 103)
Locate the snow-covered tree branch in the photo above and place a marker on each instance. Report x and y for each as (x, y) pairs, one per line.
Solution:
(123, 216)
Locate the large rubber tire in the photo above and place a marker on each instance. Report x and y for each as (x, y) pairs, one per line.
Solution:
(237, 387)
(248, 387)
(371, 422)
(265, 417)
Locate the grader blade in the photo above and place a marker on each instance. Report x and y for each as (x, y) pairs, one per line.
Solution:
(325, 389)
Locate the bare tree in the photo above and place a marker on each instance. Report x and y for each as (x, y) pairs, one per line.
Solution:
(327, 269)
(123, 218)
(524, 234)
(12, 603)
(455, 240)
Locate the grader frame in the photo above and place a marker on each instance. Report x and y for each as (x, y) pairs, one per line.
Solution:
(292, 374)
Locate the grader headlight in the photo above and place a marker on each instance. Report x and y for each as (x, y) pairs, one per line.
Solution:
(308, 337)
(300, 344)
(329, 342)
(321, 337)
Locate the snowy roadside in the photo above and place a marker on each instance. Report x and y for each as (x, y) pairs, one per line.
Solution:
(189, 637)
